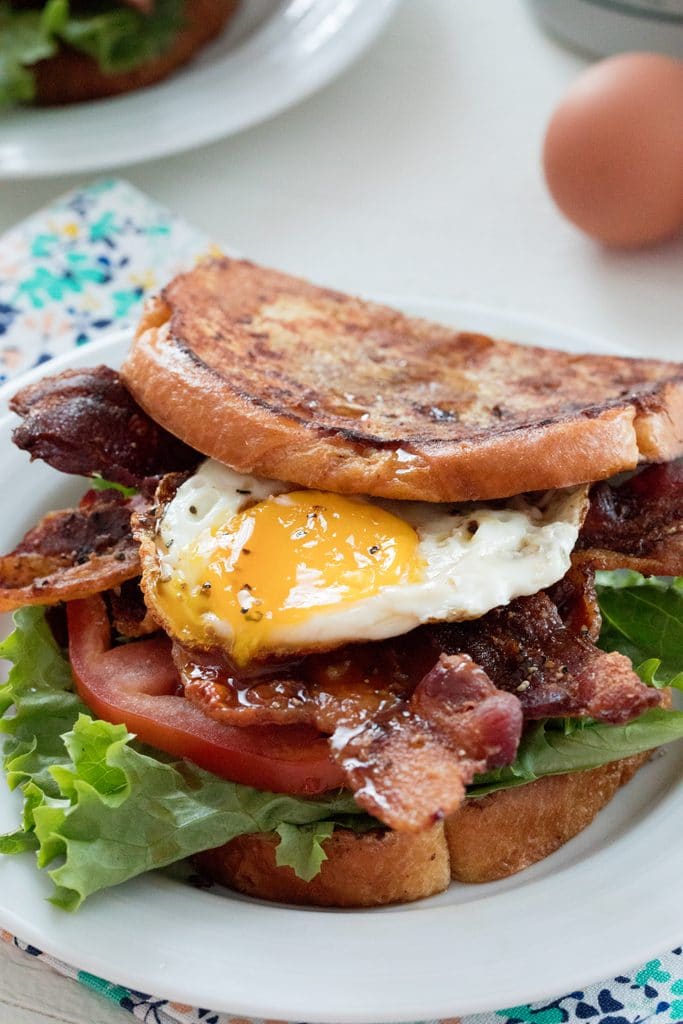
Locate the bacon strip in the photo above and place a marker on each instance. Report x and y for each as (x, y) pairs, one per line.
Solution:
(552, 666)
(526, 649)
(129, 614)
(363, 679)
(576, 600)
(410, 769)
(637, 524)
(72, 553)
(86, 422)
(408, 743)
(463, 706)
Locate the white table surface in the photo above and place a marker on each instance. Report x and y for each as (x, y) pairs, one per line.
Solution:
(416, 173)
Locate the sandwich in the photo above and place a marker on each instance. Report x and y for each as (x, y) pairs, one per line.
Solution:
(356, 604)
(68, 51)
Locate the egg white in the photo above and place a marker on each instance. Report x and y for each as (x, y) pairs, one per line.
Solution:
(475, 557)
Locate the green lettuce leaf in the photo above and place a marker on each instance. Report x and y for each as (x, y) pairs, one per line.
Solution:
(119, 39)
(100, 808)
(547, 749)
(39, 691)
(99, 483)
(301, 847)
(643, 618)
(25, 38)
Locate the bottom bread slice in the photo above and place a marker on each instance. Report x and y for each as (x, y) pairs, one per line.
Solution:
(487, 839)
(362, 869)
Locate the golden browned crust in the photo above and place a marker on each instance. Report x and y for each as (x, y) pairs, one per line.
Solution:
(508, 831)
(361, 870)
(277, 377)
(486, 839)
(73, 77)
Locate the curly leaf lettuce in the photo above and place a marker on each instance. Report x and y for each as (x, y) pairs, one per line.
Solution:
(643, 618)
(301, 847)
(547, 749)
(119, 39)
(99, 808)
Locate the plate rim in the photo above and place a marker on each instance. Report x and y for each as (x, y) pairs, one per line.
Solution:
(369, 19)
(296, 1007)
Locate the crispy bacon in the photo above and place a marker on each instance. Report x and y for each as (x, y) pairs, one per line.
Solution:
(316, 690)
(72, 553)
(552, 666)
(637, 524)
(86, 422)
(400, 771)
(462, 705)
(410, 768)
(408, 741)
(526, 649)
(129, 614)
(576, 600)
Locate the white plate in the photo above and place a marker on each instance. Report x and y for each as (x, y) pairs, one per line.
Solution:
(610, 898)
(272, 54)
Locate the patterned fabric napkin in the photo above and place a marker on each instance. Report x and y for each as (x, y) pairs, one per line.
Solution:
(82, 267)
(72, 273)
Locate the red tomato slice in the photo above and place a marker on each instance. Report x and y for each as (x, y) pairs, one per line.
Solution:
(137, 684)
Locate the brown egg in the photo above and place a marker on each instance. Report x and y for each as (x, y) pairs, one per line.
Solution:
(613, 152)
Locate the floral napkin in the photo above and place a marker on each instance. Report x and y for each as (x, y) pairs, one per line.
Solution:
(82, 267)
(72, 273)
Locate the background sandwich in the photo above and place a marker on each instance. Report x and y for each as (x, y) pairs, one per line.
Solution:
(421, 673)
(67, 51)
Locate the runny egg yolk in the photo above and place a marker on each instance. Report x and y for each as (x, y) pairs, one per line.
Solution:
(280, 563)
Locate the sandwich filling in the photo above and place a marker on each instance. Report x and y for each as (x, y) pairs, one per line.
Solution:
(306, 659)
(120, 36)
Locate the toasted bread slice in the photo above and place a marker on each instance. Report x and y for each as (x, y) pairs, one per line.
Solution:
(277, 377)
(508, 831)
(485, 840)
(361, 870)
(73, 77)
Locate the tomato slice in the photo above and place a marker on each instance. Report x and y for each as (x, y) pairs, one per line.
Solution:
(137, 684)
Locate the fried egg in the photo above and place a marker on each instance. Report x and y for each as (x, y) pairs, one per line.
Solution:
(260, 568)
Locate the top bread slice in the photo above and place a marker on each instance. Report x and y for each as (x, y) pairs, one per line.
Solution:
(277, 377)
(73, 77)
